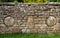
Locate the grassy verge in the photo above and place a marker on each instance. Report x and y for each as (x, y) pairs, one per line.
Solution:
(18, 35)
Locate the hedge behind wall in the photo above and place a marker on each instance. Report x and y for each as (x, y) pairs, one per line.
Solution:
(30, 1)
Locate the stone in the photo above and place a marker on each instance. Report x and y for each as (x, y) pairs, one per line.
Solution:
(9, 21)
(2, 28)
(15, 30)
(30, 20)
(51, 21)
(34, 31)
(16, 25)
(23, 25)
(25, 30)
(38, 25)
(58, 20)
(30, 26)
(22, 9)
(12, 30)
(41, 31)
(56, 28)
(43, 27)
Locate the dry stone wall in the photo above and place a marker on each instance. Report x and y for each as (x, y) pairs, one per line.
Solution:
(29, 18)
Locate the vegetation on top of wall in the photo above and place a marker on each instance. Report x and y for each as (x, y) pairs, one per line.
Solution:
(30, 1)
(15, 1)
(34, 1)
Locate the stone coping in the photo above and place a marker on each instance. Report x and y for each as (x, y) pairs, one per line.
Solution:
(11, 3)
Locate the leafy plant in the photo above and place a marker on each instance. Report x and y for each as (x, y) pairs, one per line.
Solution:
(34, 1)
(58, 0)
(15, 1)
(52, 0)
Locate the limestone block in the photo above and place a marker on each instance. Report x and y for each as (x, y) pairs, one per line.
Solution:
(30, 20)
(34, 30)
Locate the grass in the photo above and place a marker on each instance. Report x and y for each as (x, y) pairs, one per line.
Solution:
(18, 35)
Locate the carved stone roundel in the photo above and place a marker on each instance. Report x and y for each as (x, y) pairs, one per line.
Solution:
(51, 21)
(9, 21)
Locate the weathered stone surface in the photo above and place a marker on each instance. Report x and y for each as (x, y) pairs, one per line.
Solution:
(51, 21)
(12, 29)
(34, 31)
(30, 18)
(25, 30)
(2, 28)
(56, 28)
(9, 21)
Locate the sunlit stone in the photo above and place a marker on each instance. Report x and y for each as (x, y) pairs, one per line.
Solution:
(30, 20)
(51, 21)
(9, 21)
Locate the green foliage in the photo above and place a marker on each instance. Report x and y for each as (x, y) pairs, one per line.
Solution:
(15, 1)
(53, 0)
(29, 1)
(19, 35)
(34, 1)
(58, 0)
(3, 0)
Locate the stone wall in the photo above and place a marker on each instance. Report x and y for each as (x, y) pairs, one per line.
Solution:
(29, 18)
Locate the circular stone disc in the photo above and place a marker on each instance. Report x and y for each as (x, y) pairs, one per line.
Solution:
(51, 21)
(9, 21)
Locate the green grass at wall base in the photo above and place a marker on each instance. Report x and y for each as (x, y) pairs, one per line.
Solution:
(18, 35)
